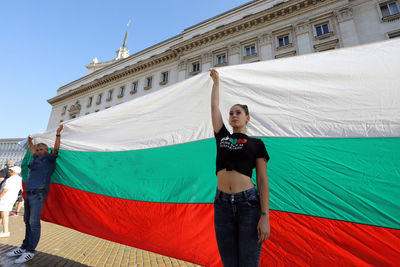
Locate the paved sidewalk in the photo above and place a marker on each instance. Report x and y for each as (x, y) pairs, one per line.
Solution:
(61, 246)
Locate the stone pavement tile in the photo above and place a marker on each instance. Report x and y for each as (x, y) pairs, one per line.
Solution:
(63, 247)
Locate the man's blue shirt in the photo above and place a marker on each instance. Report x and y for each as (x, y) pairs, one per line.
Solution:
(41, 170)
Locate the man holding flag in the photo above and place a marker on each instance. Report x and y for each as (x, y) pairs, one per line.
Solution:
(37, 187)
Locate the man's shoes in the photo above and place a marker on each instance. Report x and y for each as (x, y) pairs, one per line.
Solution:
(2, 234)
(16, 252)
(26, 256)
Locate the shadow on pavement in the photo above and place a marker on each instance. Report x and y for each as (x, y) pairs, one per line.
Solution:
(40, 259)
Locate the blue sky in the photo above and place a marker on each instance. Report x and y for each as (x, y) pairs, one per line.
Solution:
(47, 44)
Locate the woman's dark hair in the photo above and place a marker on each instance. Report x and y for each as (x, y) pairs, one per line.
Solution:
(244, 107)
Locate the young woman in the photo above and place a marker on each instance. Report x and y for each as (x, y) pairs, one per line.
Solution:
(241, 214)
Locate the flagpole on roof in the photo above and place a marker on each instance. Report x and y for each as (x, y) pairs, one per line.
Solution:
(126, 35)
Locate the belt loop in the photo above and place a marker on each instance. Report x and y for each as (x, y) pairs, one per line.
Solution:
(245, 195)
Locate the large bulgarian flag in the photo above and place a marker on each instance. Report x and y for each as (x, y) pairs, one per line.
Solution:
(142, 173)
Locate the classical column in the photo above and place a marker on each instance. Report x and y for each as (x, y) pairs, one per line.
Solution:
(206, 62)
(182, 69)
(347, 27)
(266, 47)
(234, 54)
(302, 32)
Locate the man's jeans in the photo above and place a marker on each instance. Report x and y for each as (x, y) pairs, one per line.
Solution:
(33, 206)
(236, 218)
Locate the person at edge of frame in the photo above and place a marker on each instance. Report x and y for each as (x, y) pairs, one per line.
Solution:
(37, 187)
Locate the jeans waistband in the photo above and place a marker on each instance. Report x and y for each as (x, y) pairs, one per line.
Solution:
(237, 197)
(33, 191)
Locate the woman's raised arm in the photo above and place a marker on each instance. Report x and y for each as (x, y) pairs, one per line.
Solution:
(216, 116)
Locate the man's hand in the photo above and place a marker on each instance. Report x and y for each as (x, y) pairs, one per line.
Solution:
(31, 146)
(60, 128)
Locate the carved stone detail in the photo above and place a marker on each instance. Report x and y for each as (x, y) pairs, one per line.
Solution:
(182, 65)
(265, 39)
(206, 58)
(301, 28)
(344, 14)
(234, 49)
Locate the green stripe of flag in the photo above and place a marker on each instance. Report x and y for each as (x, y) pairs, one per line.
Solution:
(351, 179)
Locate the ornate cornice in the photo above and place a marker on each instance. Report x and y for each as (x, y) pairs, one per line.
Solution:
(221, 33)
(256, 20)
(140, 66)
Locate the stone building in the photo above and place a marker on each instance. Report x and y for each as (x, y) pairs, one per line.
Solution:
(258, 30)
(10, 149)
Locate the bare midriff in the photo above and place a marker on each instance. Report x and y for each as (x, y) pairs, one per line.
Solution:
(233, 182)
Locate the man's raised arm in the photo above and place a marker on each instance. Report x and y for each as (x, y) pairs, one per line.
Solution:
(58, 139)
(31, 146)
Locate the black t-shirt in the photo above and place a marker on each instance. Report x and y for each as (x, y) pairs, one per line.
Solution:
(238, 152)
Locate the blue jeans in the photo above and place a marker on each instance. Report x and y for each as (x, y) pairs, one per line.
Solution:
(236, 218)
(33, 207)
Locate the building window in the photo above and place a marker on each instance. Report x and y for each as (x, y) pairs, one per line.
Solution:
(99, 99)
(395, 34)
(164, 78)
(322, 29)
(90, 101)
(325, 46)
(149, 81)
(287, 54)
(134, 88)
(64, 110)
(389, 9)
(221, 59)
(110, 94)
(250, 50)
(121, 91)
(196, 67)
(283, 41)
(72, 116)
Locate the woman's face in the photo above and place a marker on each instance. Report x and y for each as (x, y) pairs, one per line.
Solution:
(238, 117)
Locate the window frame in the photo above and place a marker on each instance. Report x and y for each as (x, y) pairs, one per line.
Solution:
(164, 77)
(149, 83)
(283, 36)
(389, 17)
(110, 95)
(99, 98)
(121, 91)
(134, 87)
(197, 69)
(224, 62)
(321, 26)
(323, 34)
(90, 101)
(393, 34)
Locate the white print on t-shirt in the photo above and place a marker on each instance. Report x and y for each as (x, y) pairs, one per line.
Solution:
(232, 143)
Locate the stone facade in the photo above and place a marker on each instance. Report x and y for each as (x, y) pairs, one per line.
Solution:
(10, 149)
(258, 30)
